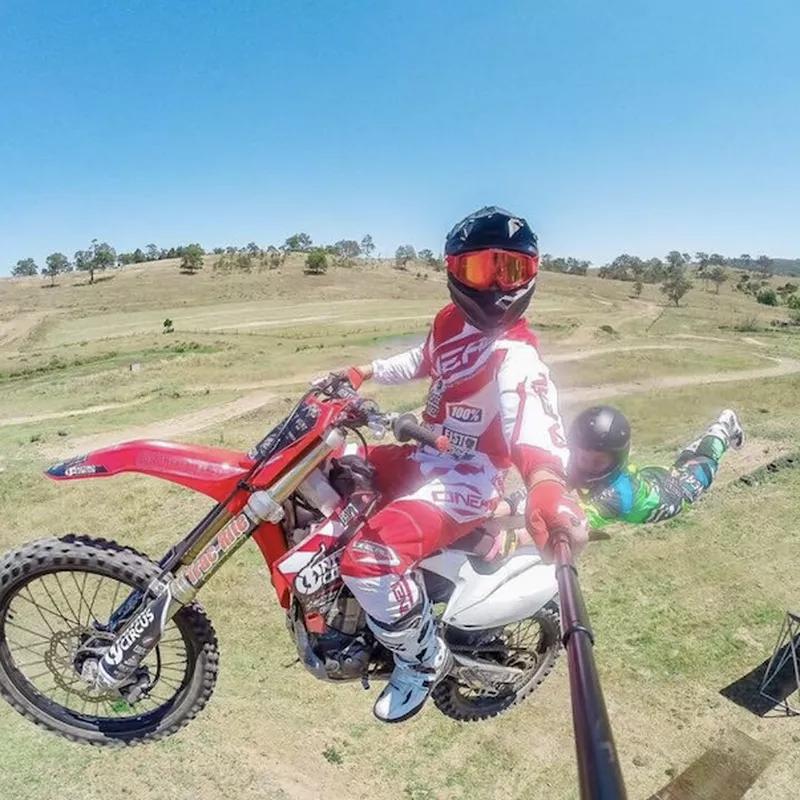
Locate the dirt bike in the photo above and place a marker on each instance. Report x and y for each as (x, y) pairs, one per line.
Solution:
(102, 645)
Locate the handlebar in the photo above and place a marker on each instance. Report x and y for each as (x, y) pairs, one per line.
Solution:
(406, 428)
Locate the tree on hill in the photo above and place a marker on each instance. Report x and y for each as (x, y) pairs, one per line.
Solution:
(25, 267)
(347, 250)
(367, 246)
(153, 253)
(702, 261)
(191, 258)
(764, 264)
(100, 256)
(55, 264)
(403, 255)
(139, 256)
(675, 259)
(427, 256)
(718, 276)
(316, 262)
(103, 256)
(253, 249)
(676, 284)
(297, 243)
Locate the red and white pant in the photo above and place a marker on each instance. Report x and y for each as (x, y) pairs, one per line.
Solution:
(430, 501)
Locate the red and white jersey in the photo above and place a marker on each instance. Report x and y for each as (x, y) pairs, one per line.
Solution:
(489, 395)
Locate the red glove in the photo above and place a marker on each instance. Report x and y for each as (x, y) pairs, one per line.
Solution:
(355, 376)
(552, 513)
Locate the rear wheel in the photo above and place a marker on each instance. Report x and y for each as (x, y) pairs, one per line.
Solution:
(531, 646)
(56, 596)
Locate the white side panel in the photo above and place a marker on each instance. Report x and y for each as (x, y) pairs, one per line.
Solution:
(514, 591)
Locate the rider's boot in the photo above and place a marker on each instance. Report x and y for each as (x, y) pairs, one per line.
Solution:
(733, 428)
(421, 660)
(725, 432)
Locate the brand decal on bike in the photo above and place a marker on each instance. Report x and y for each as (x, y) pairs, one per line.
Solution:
(221, 543)
(84, 469)
(322, 570)
(74, 467)
(462, 441)
(464, 413)
(140, 626)
(166, 461)
(368, 552)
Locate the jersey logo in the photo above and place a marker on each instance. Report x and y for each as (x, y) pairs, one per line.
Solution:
(541, 388)
(464, 413)
(462, 357)
(461, 441)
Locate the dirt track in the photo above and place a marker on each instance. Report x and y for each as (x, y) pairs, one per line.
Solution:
(75, 412)
(215, 415)
(168, 428)
(784, 366)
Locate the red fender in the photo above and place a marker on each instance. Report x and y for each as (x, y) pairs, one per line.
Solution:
(209, 470)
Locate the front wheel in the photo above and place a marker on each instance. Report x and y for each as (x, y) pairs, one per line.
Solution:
(56, 597)
(531, 646)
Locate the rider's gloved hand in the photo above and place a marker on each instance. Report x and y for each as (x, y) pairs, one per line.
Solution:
(354, 375)
(551, 513)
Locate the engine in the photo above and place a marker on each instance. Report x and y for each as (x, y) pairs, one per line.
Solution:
(328, 624)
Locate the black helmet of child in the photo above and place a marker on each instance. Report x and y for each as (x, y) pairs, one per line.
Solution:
(491, 227)
(602, 429)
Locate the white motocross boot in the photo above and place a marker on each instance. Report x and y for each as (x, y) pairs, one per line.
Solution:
(730, 422)
(421, 660)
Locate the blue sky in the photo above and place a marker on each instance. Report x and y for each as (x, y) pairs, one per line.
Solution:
(636, 125)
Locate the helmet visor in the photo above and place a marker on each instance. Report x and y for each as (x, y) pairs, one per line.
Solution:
(483, 269)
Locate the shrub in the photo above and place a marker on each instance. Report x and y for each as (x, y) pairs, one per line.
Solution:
(316, 262)
(767, 297)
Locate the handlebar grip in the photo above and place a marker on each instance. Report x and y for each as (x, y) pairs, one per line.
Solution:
(406, 428)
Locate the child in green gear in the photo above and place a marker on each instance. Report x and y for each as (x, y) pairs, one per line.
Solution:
(611, 489)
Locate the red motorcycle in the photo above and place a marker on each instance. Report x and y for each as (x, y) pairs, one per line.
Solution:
(102, 645)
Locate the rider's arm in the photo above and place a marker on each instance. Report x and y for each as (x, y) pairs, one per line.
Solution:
(601, 509)
(534, 432)
(531, 423)
(407, 366)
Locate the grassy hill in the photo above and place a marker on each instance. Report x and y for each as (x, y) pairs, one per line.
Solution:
(681, 610)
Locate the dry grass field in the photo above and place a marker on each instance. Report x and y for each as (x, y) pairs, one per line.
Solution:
(681, 610)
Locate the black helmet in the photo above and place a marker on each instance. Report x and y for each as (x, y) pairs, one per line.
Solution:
(601, 429)
(491, 228)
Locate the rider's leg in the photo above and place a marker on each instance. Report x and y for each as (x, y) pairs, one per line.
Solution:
(697, 465)
(378, 567)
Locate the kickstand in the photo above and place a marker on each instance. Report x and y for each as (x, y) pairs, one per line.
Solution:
(365, 681)
(292, 663)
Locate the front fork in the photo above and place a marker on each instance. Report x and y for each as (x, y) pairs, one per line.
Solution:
(139, 636)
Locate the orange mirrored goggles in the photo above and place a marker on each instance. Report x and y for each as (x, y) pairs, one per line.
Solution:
(483, 269)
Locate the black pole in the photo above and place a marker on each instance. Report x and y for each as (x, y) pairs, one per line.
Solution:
(599, 772)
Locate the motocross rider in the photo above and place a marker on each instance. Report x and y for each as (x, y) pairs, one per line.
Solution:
(611, 489)
(492, 397)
